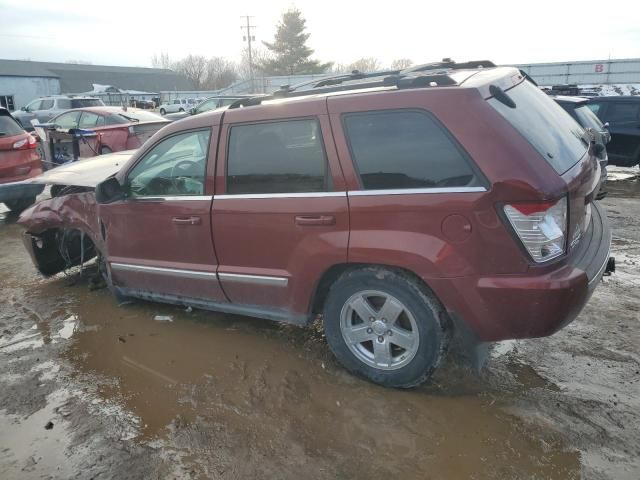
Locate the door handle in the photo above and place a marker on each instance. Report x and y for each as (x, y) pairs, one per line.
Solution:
(316, 220)
(187, 220)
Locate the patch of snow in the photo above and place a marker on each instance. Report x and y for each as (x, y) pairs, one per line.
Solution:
(69, 328)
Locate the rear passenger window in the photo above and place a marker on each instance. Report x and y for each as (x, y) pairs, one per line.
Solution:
(405, 149)
(623, 112)
(278, 157)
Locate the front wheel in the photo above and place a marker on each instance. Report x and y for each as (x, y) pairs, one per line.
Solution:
(384, 326)
(21, 204)
(163, 111)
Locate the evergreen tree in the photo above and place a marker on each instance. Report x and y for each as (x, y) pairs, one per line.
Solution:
(290, 54)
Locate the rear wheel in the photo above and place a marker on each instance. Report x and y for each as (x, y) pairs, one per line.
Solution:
(385, 326)
(181, 110)
(105, 150)
(162, 111)
(20, 204)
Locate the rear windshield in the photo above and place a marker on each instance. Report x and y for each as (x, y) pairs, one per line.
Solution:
(9, 127)
(551, 130)
(588, 119)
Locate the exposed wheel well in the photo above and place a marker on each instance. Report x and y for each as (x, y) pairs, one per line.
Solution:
(333, 273)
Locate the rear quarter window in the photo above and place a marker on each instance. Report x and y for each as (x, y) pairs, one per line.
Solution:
(406, 149)
(559, 139)
(86, 102)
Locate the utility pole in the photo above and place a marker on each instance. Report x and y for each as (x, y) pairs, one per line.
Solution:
(249, 38)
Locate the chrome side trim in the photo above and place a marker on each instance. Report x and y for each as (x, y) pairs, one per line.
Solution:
(176, 272)
(184, 198)
(280, 195)
(254, 279)
(415, 191)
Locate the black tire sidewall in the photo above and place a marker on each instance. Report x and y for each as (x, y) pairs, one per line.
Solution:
(424, 309)
(17, 206)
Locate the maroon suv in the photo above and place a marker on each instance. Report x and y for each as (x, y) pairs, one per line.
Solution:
(397, 205)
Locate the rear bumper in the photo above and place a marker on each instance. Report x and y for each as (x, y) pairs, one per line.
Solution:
(18, 190)
(535, 305)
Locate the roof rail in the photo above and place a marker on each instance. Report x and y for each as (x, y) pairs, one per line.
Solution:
(412, 77)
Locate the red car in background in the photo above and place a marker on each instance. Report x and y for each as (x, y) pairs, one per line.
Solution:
(19, 161)
(118, 129)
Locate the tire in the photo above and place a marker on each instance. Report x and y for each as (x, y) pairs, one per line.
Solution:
(105, 150)
(181, 110)
(21, 204)
(422, 327)
(163, 111)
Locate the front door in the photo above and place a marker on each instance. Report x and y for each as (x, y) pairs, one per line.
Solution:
(158, 240)
(282, 217)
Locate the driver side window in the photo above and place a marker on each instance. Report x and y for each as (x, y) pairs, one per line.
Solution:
(175, 166)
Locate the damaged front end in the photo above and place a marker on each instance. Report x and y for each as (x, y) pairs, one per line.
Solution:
(62, 232)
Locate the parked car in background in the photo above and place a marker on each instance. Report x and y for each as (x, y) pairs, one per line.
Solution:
(118, 129)
(19, 161)
(178, 105)
(622, 116)
(368, 200)
(45, 108)
(210, 103)
(578, 108)
(141, 103)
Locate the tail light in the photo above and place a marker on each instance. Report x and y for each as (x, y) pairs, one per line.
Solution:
(25, 143)
(541, 227)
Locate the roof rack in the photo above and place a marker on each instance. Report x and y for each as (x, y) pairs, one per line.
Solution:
(426, 75)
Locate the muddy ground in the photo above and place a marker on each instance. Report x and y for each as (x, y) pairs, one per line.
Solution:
(90, 389)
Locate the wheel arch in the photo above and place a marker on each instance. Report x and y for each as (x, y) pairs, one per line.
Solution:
(334, 272)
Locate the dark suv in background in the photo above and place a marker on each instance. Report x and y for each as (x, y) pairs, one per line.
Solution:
(622, 114)
(578, 108)
(45, 108)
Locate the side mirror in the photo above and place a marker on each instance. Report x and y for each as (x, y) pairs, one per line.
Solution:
(192, 110)
(598, 149)
(110, 191)
(24, 109)
(606, 125)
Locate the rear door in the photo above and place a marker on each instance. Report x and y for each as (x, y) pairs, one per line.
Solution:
(281, 218)
(624, 123)
(158, 240)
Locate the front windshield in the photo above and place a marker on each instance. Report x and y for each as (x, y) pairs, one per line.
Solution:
(589, 119)
(207, 105)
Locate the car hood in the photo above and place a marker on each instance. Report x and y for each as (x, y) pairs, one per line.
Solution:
(85, 173)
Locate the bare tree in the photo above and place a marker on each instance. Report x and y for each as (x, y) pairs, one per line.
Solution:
(259, 57)
(401, 63)
(194, 67)
(162, 60)
(220, 73)
(365, 64)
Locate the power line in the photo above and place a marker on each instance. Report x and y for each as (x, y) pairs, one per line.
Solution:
(249, 38)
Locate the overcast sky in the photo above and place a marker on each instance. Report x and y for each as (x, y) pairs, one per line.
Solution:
(126, 32)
